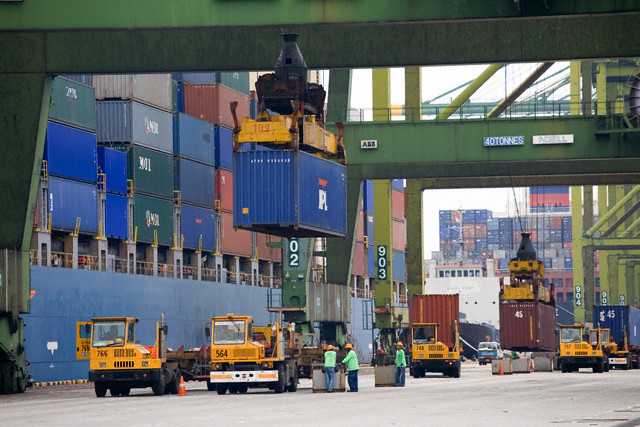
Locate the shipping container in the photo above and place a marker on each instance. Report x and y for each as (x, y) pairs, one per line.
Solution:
(493, 224)
(493, 236)
(481, 243)
(232, 241)
(266, 252)
(130, 121)
(72, 103)
(224, 189)
(152, 89)
(398, 235)
(441, 309)
(70, 153)
(371, 261)
(445, 245)
(70, 200)
(198, 223)
(367, 195)
(236, 80)
(84, 79)
(399, 267)
(568, 263)
(289, 193)
(369, 227)
(113, 164)
(358, 265)
(360, 227)
(527, 326)
(328, 302)
(195, 181)
(150, 170)
(116, 216)
(620, 319)
(153, 214)
(444, 217)
(555, 222)
(397, 184)
(224, 148)
(564, 313)
(193, 138)
(210, 102)
(397, 204)
(506, 224)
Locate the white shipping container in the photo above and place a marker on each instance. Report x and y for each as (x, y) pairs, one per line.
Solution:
(151, 89)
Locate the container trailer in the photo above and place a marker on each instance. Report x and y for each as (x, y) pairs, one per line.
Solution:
(623, 322)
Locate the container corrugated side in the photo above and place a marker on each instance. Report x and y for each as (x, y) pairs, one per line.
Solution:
(69, 200)
(153, 214)
(289, 193)
(193, 138)
(369, 227)
(358, 264)
(223, 148)
(73, 103)
(397, 204)
(436, 308)
(360, 229)
(399, 270)
(195, 181)
(235, 80)
(152, 89)
(150, 170)
(84, 79)
(265, 252)
(367, 195)
(371, 261)
(116, 216)
(398, 234)
(224, 189)
(198, 222)
(527, 326)
(397, 184)
(210, 102)
(130, 121)
(232, 241)
(328, 302)
(620, 319)
(113, 163)
(71, 153)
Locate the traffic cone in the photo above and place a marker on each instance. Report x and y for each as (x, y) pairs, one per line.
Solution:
(531, 365)
(500, 371)
(182, 391)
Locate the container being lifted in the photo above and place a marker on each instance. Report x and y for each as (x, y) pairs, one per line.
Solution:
(297, 186)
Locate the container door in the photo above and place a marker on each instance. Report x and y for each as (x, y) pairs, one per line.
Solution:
(83, 340)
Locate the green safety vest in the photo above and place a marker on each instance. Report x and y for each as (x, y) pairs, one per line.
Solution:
(352, 361)
(400, 359)
(330, 359)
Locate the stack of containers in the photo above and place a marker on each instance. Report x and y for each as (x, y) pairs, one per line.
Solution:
(70, 155)
(112, 164)
(134, 116)
(206, 96)
(193, 149)
(367, 209)
(398, 230)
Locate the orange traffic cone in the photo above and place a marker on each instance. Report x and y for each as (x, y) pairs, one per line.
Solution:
(531, 365)
(500, 371)
(182, 391)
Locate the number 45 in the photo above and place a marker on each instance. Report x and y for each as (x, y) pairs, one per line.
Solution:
(519, 314)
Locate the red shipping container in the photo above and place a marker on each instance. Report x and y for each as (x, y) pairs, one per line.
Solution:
(397, 204)
(210, 102)
(555, 222)
(398, 235)
(469, 231)
(481, 230)
(233, 242)
(517, 236)
(567, 245)
(265, 252)
(357, 267)
(469, 244)
(224, 189)
(557, 199)
(527, 326)
(360, 229)
(445, 245)
(441, 309)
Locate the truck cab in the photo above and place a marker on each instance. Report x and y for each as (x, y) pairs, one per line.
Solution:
(488, 351)
(430, 355)
(575, 353)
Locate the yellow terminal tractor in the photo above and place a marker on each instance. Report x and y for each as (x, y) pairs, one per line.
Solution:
(428, 354)
(244, 355)
(574, 353)
(118, 364)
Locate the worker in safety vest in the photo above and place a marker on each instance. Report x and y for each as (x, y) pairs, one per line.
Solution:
(330, 367)
(352, 365)
(401, 364)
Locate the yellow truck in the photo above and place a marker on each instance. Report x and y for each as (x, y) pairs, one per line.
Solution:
(429, 354)
(244, 355)
(575, 353)
(118, 364)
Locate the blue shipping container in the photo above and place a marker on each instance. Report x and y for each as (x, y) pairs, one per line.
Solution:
(195, 78)
(70, 153)
(368, 225)
(193, 138)
(69, 200)
(399, 267)
(371, 261)
(84, 79)
(195, 181)
(564, 313)
(130, 121)
(116, 216)
(397, 184)
(568, 263)
(367, 195)
(223, 148)
(289, 193)
(198, 222)
(620, 319)
(113, 164)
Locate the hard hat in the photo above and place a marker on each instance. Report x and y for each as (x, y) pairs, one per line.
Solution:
(329, 347)
(399, 344)
(348, 346)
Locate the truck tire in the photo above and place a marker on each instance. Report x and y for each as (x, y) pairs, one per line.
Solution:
(158, 386)
(598, 368)
(280, 384)
(100, 389)
(173, 385)
(124, 391)
(455, 372)
(293, 381)
(243, 389)
(221, 388)
(210, 386)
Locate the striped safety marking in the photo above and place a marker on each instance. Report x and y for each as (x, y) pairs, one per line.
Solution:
(267, 376)
(220, 377)
(54, 383)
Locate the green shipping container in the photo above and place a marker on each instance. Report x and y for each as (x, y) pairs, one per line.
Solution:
(73, 103)
(237, 81)
(150, 170)
(152, 214)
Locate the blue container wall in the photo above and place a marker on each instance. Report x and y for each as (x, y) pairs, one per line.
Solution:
(70, 153)
(289, 189)
(397, 184)
(180, 98)
(619, 318)
(69, 200)
(371, 261)
(198, 222)
(369, 227)
(116, 216)
(195, 181)
(564, 313)
(84, 79)
(399, 274)
(367, 195)
(130, 121)
(113, 164)
(193, 138)
(195, 78)
(223, 148)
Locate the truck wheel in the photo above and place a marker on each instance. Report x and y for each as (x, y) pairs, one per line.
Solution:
(173, 386)
(243, 389)
(455, 373)
(293, 381)
(598, 368)
(221, 388)
(280, 384)
(158, 386)
(210, 386)
(115, 391)
(563, 368)
(124, 391)
(100, 388)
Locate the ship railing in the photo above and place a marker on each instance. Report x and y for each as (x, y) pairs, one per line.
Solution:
(144, 268)
(189, 273)
(402, 298)
(210, 275)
